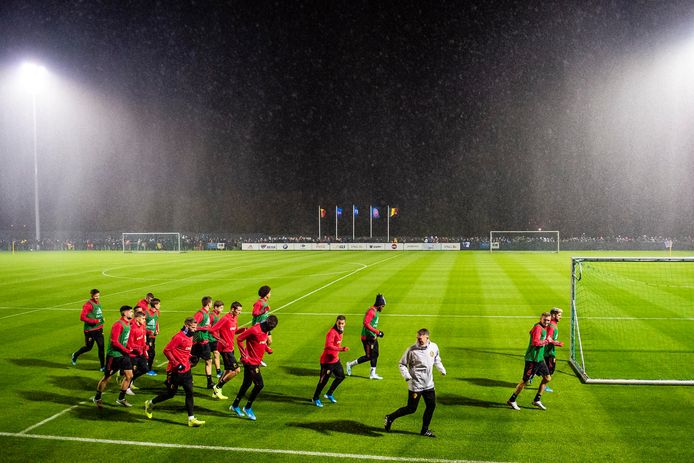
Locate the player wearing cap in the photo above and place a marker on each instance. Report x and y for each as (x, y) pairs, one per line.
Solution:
(369, 338)
(178, 371)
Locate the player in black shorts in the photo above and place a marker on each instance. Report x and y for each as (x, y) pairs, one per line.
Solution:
(117, 358)
(535, 362)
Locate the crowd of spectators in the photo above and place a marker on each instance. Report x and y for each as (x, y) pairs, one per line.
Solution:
(221, 241)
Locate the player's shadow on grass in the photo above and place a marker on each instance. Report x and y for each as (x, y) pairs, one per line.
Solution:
(46, 396)
(450, 399)
(111, 414)
(277, 397)
(487, 382)
(474, 353)
(78, 383)
(341, 426)
(39, 363)
(294, 371)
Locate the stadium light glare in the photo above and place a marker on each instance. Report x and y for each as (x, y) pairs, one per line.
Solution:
(34, 78)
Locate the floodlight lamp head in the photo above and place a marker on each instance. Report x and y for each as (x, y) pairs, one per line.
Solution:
(34, 76)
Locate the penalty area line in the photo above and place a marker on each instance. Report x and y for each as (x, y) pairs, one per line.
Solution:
(341, 456)
(50, 418)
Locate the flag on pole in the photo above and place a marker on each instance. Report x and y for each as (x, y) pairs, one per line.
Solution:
(323, 213)
(394, 211)
(355, 211)
(339, 212)
(374, 213)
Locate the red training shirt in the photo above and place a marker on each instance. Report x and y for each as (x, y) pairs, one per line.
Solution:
(178, 352)
(226, 327)
(253, 345)
(137, 342)
(332, 347)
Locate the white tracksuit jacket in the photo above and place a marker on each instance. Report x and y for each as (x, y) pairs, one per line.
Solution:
(417, 366)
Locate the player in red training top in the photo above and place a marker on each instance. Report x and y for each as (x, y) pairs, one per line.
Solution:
(215, 315)
(117, 358)
(553, 334)
(330, 362)
(201, 340)
(93, 318)
(535, 362)
(178, 372)
(137, 343)
(261, 310)
(152, 323)
(144, 303)
(252, 346)
(369, 338)
(225, 329)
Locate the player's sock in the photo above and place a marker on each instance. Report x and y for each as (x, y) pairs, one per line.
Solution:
(209, 382)
(97, 396)
(121, 395)
(220, 383)
(537, 397)
(513, 398)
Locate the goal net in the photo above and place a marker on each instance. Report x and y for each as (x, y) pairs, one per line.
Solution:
(632, 320)
(151, 242)
(528, 240)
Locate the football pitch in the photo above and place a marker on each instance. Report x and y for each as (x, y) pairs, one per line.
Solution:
(478, 306)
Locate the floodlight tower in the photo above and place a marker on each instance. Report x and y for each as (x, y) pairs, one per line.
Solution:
(34, 76)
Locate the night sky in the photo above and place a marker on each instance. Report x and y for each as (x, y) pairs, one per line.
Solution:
(246, 116)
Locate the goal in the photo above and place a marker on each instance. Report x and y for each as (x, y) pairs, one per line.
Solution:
(524, 240)
(151, 242)
(632, 320)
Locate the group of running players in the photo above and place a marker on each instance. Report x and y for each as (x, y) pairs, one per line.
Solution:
(210, 335)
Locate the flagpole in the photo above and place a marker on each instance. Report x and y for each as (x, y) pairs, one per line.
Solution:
(371, 221)
(388, 227)
(352, 222)
(335, 223)
(319, 223)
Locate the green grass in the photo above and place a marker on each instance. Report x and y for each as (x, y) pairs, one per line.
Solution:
(478, 306)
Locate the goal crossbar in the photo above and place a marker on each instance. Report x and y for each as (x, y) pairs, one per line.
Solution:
(532, 238)
(151, 242)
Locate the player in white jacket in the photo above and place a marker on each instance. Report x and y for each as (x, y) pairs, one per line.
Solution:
(417, 367)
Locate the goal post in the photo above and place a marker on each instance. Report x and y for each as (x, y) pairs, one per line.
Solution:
(632, 320)
(151, 242)
(524, 240)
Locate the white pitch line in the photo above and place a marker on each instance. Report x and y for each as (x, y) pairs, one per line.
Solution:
(404, 315)
(424, 315)
(332, 283)
(50, 418)
(20, 313)
(340, 456)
